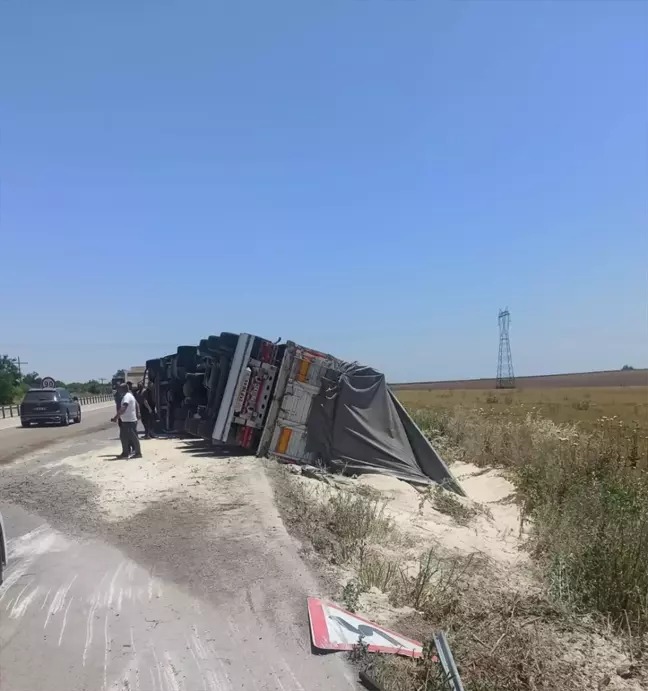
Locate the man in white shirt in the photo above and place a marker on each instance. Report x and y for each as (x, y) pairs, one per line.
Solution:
(128, 414)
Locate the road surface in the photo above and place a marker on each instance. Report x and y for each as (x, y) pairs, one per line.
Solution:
(174, 573)
(16, 441)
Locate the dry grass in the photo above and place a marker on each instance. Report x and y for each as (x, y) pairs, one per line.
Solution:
(585, 493)
(447, 502)
(582, 482)
(339, 524)
(501, 639)
(584, 406)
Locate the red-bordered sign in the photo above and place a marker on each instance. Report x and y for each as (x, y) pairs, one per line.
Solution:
(333, 628)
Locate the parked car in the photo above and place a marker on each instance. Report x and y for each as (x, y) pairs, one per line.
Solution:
(3, 548)
(49, 405)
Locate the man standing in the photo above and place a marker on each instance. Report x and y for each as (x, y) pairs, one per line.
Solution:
(118, 399)
(146, 410)
(128, 416)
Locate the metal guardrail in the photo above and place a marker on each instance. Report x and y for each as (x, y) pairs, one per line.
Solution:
(14, 410)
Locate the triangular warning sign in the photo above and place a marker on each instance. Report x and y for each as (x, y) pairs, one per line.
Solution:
(333, 628)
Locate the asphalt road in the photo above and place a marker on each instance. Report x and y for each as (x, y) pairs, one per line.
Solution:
(16, 441)
(174, 573)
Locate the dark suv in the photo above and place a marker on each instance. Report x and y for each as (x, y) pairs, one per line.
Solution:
(49, 405)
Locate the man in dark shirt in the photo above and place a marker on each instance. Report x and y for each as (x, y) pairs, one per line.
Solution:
(144, 398)
(118, 398)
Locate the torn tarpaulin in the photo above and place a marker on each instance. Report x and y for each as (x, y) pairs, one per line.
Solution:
(357, 425)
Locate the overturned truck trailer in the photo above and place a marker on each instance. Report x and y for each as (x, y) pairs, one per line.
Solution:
(295, 403)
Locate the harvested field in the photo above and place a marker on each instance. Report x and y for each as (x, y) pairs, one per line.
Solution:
(636, 377)
(587, 407)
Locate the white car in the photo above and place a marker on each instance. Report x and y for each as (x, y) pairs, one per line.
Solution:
(3, 549)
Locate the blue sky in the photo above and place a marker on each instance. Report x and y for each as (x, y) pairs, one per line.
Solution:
(374, 178)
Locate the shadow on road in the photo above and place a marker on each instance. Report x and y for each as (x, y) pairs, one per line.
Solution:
(204, 449)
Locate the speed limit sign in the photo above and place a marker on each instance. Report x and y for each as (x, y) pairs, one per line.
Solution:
(48, 383)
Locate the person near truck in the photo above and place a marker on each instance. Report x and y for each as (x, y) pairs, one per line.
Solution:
(128, 414)
(119, 394)
(144, 398)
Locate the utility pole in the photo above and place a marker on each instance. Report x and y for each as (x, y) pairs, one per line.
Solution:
(505, 376)
(20, 363)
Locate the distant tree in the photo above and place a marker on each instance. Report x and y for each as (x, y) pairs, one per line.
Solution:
(119, 374)
(9, 380)
(625, 368)
(93, 386)
(32, 379)
(60, 384)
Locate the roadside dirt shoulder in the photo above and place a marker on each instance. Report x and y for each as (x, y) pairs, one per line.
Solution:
(423, 561)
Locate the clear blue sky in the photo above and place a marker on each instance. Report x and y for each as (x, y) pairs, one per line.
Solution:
(375, 178)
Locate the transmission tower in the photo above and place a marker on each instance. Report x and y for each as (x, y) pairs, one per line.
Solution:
(505, 376)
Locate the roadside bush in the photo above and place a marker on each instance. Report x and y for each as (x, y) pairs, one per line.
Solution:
(499, 640)
(340, 523)
(586, 495)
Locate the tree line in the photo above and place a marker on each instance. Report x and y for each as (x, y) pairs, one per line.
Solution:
(14, 384)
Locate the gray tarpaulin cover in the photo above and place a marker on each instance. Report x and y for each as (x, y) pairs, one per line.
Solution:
(357, 425)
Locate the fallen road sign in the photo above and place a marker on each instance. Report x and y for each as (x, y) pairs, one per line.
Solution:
(333, 628)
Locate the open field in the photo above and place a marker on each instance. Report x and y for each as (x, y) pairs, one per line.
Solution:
(610, 378)
(587, 407)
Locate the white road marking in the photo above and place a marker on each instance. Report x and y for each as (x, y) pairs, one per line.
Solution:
(286, 666)
(173, 683)
(199, 646)
(89, 628)
(111, 590)
(90, 620)
(105, 669)
(212, 680)
(17, 600)
(14, 546)
(47, 594)
(17, 572)
(224, 678)
(158, 667)
(19, 609)
(65, 620)
(201, 671)
(276, 678)
(59, 600)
